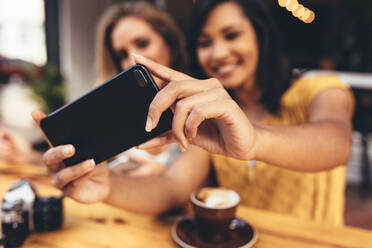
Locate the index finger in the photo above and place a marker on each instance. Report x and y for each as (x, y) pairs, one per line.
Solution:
(160, 71)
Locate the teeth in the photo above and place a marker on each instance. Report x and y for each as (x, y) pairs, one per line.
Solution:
(225, 69)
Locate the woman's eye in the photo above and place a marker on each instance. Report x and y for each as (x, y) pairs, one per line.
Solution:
(204, 43)
(232, 36)
(142, 43)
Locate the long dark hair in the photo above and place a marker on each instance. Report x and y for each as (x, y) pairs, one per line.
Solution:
(273, 71)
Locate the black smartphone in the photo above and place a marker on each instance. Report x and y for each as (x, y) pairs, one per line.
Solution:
(109, 119)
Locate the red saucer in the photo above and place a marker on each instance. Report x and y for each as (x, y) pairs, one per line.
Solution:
(184, 233)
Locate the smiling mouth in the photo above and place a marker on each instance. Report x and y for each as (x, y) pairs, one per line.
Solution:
(225, 70)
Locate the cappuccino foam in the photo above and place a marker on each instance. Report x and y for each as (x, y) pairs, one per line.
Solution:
(217, 197)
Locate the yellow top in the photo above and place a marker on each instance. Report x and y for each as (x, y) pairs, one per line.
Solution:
(312, 196)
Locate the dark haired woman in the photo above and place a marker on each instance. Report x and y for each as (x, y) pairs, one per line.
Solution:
(260, 130)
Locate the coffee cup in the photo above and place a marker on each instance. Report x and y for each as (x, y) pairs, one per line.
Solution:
(214, 210)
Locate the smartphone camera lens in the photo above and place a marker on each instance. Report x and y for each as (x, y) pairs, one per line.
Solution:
(140, 78)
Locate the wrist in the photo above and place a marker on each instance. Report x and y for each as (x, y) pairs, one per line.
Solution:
(110, 179)
(259, 143)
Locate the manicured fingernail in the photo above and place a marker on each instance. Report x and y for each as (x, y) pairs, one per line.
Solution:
(54, 181)
(89, 164)
(148, 127)
(184, 146)
(67, 150)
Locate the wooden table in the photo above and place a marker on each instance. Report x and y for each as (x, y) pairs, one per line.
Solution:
(100, 225)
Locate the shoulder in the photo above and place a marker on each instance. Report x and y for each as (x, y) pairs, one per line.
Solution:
(305, 89)
(314, 81)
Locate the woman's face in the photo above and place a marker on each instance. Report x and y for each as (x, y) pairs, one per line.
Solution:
(134, 35)
(227, 47)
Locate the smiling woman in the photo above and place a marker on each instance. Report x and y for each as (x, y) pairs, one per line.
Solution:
(223, 32)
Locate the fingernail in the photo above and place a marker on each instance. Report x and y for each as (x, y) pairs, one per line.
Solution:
(54, 181)
(148, 127)
(89, 164)
(67, 150)
(183, 147)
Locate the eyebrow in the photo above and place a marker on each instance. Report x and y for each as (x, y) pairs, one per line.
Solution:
(225, 29)
(141, 37)
(230, 27)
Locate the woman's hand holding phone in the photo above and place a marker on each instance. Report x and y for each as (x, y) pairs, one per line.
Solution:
(84, 182)
(204, 114)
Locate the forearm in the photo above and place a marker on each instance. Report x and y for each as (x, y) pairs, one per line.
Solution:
(309, 147)
(147, 194)
(157, 194)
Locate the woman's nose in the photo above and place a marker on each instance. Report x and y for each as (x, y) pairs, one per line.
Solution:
(220, 50)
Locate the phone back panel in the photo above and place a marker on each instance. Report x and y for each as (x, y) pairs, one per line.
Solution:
(108, 120)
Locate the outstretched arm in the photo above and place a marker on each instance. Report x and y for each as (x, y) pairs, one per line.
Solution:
(205, 115)
(322, 143)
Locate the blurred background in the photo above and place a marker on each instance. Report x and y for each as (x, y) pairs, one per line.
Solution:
(47, 59)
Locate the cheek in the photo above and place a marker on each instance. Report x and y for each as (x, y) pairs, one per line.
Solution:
(165, 56)
(249, 53)
(202, 57)
(159, 53)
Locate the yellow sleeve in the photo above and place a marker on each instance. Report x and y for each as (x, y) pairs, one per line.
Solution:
(304, 90)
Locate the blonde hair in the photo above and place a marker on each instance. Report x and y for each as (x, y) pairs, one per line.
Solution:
(159, 20)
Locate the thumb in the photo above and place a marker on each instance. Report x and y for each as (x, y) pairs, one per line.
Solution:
(37, 116)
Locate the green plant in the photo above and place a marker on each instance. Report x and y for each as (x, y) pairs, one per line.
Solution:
(47, 86)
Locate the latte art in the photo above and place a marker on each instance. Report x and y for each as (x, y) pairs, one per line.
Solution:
(217, 197)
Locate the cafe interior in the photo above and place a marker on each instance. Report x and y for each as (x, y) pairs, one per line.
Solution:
(47, 51)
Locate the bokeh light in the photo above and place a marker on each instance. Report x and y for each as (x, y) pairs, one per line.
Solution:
(298, 10)
(310, 18)
(291, 5)
(282, 3)
(305, 15)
